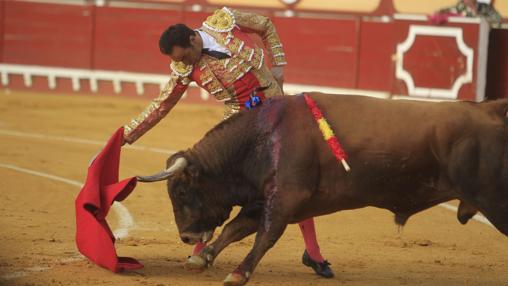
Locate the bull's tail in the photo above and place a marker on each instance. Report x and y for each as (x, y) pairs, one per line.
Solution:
(401, 219)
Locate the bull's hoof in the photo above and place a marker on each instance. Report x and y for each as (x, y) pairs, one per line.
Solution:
(195, 263)
(235, 279)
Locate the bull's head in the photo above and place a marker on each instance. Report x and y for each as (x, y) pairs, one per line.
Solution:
(193, 195)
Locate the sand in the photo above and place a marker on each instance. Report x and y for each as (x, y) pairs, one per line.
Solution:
(43, 132)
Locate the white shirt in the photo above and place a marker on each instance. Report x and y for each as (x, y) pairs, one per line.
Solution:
(210, 43)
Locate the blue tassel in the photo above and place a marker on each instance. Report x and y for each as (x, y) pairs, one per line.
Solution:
(253, 102)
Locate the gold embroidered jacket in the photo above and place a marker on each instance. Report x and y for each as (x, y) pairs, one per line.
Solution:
(230, 80)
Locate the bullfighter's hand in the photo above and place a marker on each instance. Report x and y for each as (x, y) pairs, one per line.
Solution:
(278, 74)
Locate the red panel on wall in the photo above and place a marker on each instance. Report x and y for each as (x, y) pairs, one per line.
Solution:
(320, 51)
(375, 64)
(127, 39)
(54, 35)
(435, 61)
(471, 38)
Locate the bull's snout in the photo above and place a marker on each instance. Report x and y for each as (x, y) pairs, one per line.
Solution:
(185, 239)
(193, 238)
(190, 238)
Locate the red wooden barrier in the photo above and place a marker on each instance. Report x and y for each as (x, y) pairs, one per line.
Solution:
(439, 61)
(47, 34)
(2, 4)
(355, 51)
(320, 51)
(375, 61)
(127, 39)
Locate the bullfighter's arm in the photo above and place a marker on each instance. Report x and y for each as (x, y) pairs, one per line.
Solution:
(158, 108)
(263, 26)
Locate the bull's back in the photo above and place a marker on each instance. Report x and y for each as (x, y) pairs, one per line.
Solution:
(396, 125)
(393, 148)
(370, 125)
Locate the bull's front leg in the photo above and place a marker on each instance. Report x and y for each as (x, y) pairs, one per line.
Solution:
(274, 220)
(266, 237)
(243, 225)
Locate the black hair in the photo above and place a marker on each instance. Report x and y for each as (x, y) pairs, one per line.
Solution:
(175, 35)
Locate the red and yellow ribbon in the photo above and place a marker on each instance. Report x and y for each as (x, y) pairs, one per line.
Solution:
(327, 132)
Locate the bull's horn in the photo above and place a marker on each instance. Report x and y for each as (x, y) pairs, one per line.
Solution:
(178, 165)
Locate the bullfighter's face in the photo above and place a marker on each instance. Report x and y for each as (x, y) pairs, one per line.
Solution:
(189, 55)
(195, 215)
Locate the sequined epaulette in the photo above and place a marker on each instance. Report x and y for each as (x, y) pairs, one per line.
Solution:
(222, 20)
(181, 69)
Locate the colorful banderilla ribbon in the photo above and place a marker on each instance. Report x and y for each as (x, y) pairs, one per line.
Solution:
(327, 132)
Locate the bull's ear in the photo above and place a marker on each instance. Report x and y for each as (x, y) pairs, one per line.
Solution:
(178, 165)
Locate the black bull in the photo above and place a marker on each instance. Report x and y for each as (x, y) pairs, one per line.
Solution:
(405, 156)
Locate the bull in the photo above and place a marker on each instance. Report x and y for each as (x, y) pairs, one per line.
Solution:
(405, 156)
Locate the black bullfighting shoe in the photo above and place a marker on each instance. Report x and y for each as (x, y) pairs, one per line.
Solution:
(321, 269)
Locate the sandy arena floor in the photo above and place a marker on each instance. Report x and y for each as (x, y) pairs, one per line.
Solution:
(57, 135)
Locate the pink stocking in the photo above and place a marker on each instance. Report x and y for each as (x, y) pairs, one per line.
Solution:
(309, 236)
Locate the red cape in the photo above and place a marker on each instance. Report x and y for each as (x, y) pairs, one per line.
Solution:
(93, 235)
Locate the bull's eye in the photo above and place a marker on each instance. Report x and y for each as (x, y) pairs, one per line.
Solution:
(180, 191)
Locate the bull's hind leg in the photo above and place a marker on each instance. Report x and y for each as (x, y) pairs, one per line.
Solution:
(243, 225)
